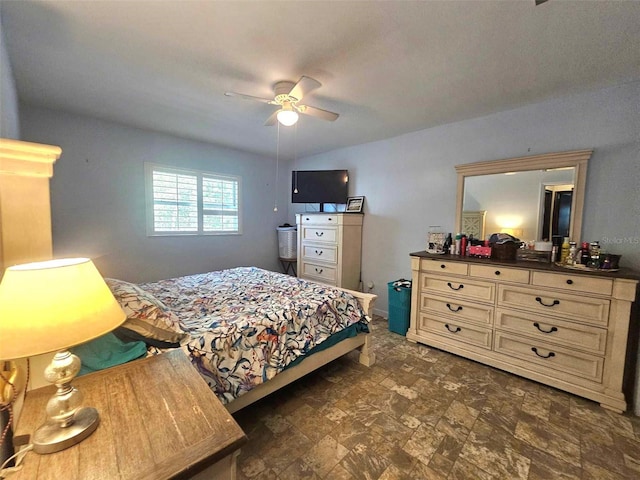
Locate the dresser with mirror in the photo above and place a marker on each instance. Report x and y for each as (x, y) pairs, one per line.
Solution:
(566, 328)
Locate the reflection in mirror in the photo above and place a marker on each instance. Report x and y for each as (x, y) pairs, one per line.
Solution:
(532, 198)
(530, 205)
(556, 212)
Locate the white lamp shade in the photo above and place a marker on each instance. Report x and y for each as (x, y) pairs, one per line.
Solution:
(287, 117)
(53, 305)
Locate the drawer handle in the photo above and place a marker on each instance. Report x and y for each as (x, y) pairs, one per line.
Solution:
(443, 266)
(329, 219)
(537, 325)
(569, 282)
(555, 302)
(454, 310)
(319, 234)
(456, 330)
(535, 350)
(454, 288)
(319, 270)
(497, 272)
(318, 252)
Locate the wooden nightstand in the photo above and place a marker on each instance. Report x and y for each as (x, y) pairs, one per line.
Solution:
(158, 420)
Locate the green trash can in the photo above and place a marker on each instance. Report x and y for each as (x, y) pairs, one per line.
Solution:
(399, 306)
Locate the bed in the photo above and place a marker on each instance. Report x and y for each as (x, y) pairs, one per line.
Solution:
(248, 331)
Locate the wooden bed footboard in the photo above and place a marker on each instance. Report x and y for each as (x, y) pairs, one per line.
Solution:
(366, 300)
(361, 342)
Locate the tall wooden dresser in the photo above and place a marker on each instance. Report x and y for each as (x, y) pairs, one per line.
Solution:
(330, 248)
(564, 328)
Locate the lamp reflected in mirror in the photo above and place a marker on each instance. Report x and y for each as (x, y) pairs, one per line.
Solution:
(516, 187)
(518, 201)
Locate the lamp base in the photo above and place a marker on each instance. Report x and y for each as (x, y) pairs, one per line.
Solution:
(51, 437)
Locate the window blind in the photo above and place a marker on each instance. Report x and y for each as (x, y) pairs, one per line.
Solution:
(191, 202)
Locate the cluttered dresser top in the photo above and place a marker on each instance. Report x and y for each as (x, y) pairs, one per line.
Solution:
(623, 272)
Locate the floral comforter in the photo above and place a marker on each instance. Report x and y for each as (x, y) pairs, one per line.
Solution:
(247, 324)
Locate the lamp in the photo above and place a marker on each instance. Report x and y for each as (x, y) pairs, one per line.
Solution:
(287, 116)
(514, 232)
(51, 306)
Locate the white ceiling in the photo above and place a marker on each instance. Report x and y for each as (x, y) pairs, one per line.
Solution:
(387, 67)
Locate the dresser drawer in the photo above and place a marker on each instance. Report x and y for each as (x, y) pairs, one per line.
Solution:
(564, 305)
(515, 275)
(456, 331)
(559, 362)
(459, 309)
(552, 330)
(314, 270)
(435, 265)
(575, 283)
(452, 287)
(319, 219)
(324, 253)
(320, 234)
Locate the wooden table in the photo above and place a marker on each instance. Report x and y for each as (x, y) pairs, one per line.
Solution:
(158, 420)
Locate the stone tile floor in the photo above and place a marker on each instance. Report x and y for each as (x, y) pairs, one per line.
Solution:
(420, 413)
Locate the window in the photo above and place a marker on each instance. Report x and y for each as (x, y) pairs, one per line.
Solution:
(189, 202)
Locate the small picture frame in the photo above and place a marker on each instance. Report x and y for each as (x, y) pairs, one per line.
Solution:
(354, 204)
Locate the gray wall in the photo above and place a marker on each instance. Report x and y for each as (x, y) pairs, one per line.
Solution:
(9, 121)
(410, 183)
(98, 202)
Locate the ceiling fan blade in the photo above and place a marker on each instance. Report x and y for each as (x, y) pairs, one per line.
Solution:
(272, 119)
(249, 97)
(303, 87)
(317, 112)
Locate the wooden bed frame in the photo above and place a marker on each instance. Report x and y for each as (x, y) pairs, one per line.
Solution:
(361, 342)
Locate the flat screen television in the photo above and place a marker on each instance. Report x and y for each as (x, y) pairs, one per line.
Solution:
(319, 186)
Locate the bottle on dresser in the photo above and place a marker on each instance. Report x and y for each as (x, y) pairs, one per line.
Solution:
(564, 250)
(594, 255)
(572, 258)
(447, 243)
(584, 253)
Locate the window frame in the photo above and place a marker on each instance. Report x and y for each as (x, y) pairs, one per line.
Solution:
(150, 168)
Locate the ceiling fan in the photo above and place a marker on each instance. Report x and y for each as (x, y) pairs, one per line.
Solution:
(287, 96)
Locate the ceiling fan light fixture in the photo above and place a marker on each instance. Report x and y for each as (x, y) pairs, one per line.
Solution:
(287, 96)
(287, 117)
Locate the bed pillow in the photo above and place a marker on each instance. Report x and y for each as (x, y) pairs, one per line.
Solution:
(107, 351)
(148, 319)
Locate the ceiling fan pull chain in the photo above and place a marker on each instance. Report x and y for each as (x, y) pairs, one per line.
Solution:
(295, 156)
(275, 185)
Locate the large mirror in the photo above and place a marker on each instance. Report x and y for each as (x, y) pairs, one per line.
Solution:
(533, 198)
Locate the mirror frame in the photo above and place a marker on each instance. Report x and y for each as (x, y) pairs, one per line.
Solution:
(577, 159)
